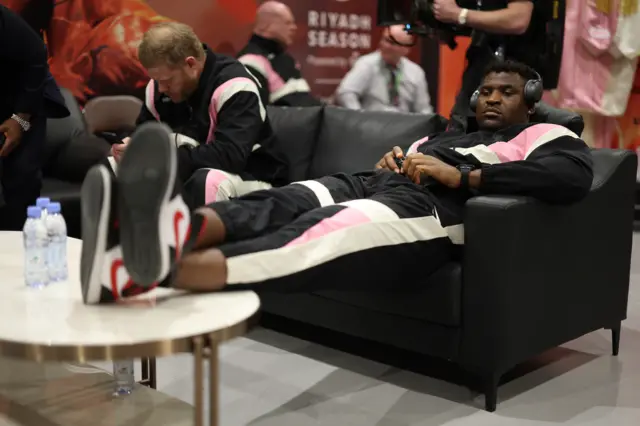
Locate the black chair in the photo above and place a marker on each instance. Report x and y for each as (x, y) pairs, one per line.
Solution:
(69, 153)
(531, 276)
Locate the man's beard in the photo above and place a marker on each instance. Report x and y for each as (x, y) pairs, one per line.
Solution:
(191, 85)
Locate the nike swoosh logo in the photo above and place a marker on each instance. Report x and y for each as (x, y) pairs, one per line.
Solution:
(177, 218)
(129, 288)
(115, 268)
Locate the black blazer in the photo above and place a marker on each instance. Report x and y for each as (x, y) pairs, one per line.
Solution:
(26, 85)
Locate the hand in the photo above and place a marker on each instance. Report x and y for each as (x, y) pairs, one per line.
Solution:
(446, 11)
(418, 165)
(118, 149)
(388, 161)
(13, 134)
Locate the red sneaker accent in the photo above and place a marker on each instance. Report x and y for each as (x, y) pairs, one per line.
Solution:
(115, 267)
(130, 288)
(177, 218)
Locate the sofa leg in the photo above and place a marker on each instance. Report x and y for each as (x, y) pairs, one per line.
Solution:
(615, 340)
(491, 383)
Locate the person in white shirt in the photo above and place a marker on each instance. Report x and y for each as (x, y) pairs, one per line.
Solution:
(385, 80)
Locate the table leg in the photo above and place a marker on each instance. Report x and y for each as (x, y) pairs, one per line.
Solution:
(214, 385)
(149, 372)
(198, 371)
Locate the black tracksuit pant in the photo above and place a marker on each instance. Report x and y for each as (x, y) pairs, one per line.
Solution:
(364, 231)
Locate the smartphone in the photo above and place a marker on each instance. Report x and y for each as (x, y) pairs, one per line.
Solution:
(399, 162)
(112, 138)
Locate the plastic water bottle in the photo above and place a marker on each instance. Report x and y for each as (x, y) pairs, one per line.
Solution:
(36, 241)
(43, 203)
(57, 253)
(123, 374)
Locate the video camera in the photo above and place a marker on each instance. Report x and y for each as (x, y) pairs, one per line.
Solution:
(418, 18)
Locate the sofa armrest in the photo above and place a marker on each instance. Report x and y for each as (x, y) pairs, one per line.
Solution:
(536, 276)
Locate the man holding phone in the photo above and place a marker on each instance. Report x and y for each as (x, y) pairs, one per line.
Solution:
(29, 96)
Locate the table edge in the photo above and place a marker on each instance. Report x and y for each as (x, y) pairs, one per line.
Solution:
(83, 353)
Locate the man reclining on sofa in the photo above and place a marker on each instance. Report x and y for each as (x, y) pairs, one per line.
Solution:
(212, 104)
(335, 231)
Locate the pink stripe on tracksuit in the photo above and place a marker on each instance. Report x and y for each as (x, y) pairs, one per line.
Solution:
(217, 102)
(517, 148)
(341, 220)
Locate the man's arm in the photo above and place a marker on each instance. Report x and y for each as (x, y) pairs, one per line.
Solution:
(559, 172)
(21, 46)
(543, 161)
(240, 116)
(353, 86)
(514, 19)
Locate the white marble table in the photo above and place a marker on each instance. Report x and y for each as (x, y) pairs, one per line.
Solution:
(53, 324)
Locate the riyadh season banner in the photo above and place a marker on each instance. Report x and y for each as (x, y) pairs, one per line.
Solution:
(332, 35)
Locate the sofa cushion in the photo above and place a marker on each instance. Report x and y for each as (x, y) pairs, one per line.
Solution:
(437, 299)
(352, 141)
(545, 113)
(111, 113)
(296, 131)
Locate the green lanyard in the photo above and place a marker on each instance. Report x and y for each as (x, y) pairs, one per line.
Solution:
(398, 76)
(394, 91)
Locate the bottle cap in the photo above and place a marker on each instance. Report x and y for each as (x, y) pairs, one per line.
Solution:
(43, 202)
(34, 212)
(54, 207)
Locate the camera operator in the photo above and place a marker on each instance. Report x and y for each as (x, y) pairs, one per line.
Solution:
(503, 29)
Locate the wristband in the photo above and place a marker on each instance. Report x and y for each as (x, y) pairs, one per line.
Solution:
(22, 122)
(462, 17)
(465, 169)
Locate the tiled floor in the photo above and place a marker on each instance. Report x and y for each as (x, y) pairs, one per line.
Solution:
(269, 379)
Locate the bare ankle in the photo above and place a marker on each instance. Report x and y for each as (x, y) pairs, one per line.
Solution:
(202, 271)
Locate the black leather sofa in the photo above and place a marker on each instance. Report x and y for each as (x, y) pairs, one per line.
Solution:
(530, 276)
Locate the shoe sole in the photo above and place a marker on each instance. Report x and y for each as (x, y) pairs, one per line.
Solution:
(96, 207)
(146, 178)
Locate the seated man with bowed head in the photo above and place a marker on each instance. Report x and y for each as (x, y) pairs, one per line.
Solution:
(212, 105)
(327, 232)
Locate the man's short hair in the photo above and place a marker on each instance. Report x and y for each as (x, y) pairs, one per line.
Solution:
(513, 67)
(169, 43)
